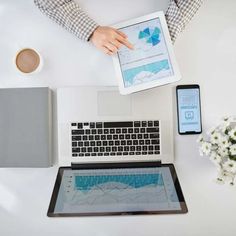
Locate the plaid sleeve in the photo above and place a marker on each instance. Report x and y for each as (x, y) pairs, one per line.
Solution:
(69, 15)
(179, 13)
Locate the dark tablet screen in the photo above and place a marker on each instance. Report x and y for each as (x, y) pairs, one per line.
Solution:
(113, 189)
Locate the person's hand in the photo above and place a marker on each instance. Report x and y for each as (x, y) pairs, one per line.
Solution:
(109, 40)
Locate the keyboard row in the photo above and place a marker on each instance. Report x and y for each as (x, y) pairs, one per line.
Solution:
(82, 154)
(114, 131)
(116, 143)
(92, 125)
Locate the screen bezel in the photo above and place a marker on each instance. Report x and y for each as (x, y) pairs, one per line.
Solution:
(56, 188)
(176, 73)
(183, 87)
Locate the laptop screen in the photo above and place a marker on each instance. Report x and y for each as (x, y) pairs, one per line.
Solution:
(116, 191)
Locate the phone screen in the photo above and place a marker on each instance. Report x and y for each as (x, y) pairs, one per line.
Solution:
(189, 110)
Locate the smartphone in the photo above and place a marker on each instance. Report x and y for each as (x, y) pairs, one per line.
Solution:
(189, 109)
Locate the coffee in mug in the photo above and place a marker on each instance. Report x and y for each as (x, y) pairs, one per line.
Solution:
(27, 60)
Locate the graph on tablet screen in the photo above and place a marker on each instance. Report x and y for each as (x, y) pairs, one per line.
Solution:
(149, 61)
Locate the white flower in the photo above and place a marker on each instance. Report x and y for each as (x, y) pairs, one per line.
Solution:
(200, 138)
(230, 166)
(232, 134)
(233, 150)
(215, 137)
(224, 142)
(206, 148)
(215, 158)
(223, 152)
(212, 130)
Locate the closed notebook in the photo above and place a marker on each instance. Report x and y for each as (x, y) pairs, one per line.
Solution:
(25, 127)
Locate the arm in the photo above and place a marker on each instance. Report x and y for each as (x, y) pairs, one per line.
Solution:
(179, 13)
(69, 15)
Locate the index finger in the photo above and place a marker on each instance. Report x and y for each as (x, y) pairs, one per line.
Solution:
(125, 42)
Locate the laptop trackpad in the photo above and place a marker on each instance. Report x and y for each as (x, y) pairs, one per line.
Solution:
(111, 103)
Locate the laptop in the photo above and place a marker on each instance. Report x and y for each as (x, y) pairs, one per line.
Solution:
(114, 150)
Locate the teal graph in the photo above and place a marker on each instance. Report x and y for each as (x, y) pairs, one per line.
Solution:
(151, 36)
(86, 183)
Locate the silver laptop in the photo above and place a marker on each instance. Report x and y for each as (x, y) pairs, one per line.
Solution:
(97, 124)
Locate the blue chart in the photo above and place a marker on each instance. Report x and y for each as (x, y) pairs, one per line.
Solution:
(151, 36)
(149, 61)
(144, 73)
(86, 183)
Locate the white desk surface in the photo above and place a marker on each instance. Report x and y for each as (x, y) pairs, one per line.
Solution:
(206, 53)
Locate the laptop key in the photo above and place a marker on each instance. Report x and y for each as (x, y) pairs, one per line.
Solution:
(118, 131)
(80, 126)
(137, 124)
(112, 131)
(155, 141)
(117, 142)
(99, 131)
(129, 142)
(74, 144)
(124, 131)
(76, 138)
(131, 153)
(106, 131)
(137, 153)
(152, 130)
(125, 153)
(98, 124)
(80, 144)
(87, 154)
(75, 149)
(74, 154)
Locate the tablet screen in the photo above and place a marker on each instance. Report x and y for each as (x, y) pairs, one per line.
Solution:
(116, 191)
(150, 59)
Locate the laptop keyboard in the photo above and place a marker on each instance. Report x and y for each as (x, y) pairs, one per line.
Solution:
(115, 138)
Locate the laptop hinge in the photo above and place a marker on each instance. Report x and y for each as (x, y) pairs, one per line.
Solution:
(109, 165)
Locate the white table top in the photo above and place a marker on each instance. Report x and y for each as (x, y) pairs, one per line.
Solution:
(206, 54)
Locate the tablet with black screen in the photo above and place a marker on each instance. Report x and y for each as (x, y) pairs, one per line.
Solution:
(117, 189)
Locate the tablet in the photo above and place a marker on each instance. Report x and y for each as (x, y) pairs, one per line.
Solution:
(152, 62)
(116, 189)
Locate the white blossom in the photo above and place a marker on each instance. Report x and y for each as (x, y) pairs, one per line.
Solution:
(200, 138)
(212, 130)
(206, 148)
(230, 166)
(215, 137)
(232, 134)
(224, 142)
(233, 150)
(215, 158)
(223, 152)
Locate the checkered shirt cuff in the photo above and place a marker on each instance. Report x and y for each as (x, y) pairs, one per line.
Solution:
(179, 13)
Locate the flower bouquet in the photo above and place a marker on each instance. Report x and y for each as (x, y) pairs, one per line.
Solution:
(220, 146)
